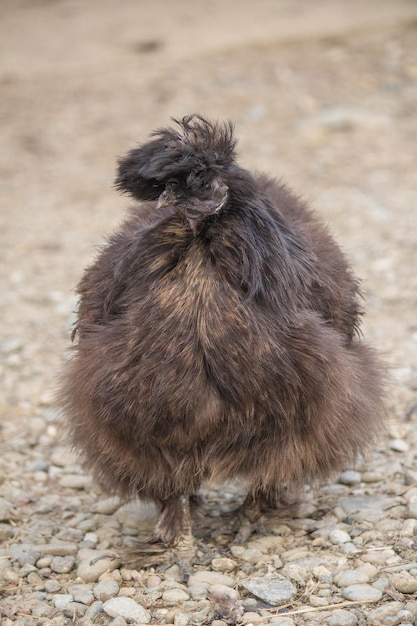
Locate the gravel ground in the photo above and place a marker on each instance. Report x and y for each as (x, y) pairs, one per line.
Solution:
(324, 97)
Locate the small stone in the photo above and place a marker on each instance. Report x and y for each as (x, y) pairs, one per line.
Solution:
(14, 344)
(105, 590)
(250, 618)
(377, 616)
(81, 593)
(153, 581)
(118, 621)
(62, 564)
(52, 586)
(127, 608)
(404, 583)
(282, 621)
(409, 528)
(223, 564)
(97, 563)
(227, 601)
(211, 578)
(74, 481)
(198, 591)
(75, 609)
(350, 477)
(372, 477)
(56, 549)
(181, 619)
(361, 593)
(273, 590)
(61, 600)
(338, 536)
(351, 577)
(412, 509)
(173, 573)
(378, 557)
(340, 617)
(175, 595)
(399, 445)
(95, 609)
(107, 506)
(362, 508)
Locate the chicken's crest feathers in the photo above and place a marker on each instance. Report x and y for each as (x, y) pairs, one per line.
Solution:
(196, 145)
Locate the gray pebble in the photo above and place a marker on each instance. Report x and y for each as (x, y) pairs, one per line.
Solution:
(351, 577)
(127, 608)
(81, 593)
(52, 586)
(118, 621)
(359, 593)
(11, 345)
(198, 591)
(412, 509)
(62, 564)
(61, 600)
(95, 609)
(105, 589)
(97, 563)
(273, 590)
(362, 508)
(378, 616)
(350, 477)
(75, 609)
(211, 578)
(282, 621)
(340, 617)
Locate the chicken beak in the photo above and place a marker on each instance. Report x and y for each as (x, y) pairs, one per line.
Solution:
(163, 200)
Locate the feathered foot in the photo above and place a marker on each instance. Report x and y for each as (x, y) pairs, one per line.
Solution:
(251, 514)
(172, 541)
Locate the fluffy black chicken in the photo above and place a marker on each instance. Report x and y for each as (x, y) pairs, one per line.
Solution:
(218, 338)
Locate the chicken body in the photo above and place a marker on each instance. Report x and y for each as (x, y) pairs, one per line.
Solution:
(217, 336)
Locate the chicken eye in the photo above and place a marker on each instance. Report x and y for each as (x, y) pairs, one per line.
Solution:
(173, 183)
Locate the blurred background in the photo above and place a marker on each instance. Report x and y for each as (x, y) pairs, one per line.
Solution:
(322, 94)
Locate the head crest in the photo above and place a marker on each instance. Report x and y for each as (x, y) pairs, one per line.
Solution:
(197, 144)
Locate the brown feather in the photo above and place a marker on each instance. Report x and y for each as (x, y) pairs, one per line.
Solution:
(217, 334)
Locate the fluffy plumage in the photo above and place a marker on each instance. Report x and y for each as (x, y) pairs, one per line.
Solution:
(217, 335)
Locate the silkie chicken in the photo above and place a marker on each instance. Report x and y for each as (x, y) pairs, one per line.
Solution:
(218, 338)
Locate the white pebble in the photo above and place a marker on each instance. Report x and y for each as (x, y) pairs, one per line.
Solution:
(127, 608)
(338, 536)
(211, 578)
(175, 595)
(399, 445)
